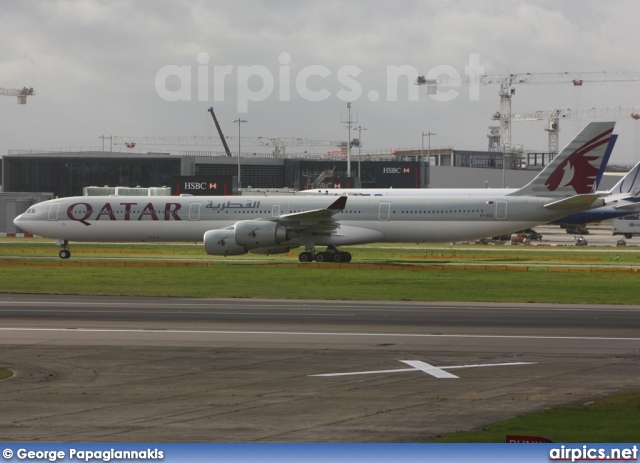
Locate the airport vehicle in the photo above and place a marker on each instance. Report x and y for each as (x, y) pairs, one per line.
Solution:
(275, 224)
(628, 226)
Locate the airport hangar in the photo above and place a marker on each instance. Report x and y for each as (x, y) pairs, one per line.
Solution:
(31, 176)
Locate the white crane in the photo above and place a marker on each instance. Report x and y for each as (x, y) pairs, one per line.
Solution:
(507, 81)
(21, 93)
(553, 117)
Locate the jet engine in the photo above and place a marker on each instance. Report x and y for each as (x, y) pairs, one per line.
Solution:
(273, 250)
(260, 233)
(222, 243)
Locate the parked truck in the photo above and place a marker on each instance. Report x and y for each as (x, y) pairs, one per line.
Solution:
(627, 226)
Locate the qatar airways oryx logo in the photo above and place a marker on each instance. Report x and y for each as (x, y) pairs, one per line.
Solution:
(577, 171)
(255, 83)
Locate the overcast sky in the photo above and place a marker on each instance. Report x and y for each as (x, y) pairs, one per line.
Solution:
(153, 67)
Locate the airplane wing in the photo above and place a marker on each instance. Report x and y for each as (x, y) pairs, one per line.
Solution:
(316, 219)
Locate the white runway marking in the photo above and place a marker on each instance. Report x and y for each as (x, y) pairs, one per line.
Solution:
(307, 333)
(418, 365)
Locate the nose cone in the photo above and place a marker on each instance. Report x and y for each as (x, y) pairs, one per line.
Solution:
(23, 223)
(18, 220)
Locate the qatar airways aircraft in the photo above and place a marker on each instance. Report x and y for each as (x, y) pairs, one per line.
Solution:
(275, 224)
(621, 200)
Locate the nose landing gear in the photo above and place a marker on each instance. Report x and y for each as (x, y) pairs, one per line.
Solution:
(65, 253)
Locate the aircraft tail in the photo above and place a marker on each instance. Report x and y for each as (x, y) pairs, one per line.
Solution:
(576, 168)
(629, 184)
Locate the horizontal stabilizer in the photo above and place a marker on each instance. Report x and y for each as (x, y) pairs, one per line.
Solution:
(628, 207)
(577, 201)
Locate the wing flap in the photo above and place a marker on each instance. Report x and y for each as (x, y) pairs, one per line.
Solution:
(318, 220)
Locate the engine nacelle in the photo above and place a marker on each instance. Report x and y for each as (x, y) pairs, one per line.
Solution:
(259, 233)
(222, 243)
(273, 250)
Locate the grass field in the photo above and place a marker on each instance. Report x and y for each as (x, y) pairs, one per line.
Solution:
(410, 273)
(615, 418)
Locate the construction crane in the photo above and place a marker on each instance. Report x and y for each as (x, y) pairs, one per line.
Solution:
(553, 117)
(22, 93)
(278, 144)
(507, 81)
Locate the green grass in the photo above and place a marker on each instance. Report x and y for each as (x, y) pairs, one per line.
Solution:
(5, 373)
(236, 277)
(615, 418)
(308, 282)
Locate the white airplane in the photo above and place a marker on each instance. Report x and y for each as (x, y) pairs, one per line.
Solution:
(275, 224)
(450, 191)
(621, 200)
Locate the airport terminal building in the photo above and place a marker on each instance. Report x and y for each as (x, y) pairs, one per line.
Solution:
(30, 176)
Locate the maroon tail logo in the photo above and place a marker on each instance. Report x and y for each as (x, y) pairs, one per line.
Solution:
(577, 171)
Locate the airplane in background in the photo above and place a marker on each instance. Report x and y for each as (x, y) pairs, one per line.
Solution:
(438, 191)
(275, 224)
(619, 201)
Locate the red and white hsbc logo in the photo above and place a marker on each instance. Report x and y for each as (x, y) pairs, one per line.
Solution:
(396, 170)
(200, 186)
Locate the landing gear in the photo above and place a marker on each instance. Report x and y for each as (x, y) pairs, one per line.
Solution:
(330, 255)
(65, 253)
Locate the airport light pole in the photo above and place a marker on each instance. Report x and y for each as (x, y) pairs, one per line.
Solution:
(239, 121)
(360, 129)
(426, 181)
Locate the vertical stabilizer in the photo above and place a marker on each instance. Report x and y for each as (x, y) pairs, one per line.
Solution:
(629, 184)
(575, 169)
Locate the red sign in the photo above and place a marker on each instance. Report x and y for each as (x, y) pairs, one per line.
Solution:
(527, 440)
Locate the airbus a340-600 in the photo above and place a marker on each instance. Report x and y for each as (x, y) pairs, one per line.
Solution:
(275, 224)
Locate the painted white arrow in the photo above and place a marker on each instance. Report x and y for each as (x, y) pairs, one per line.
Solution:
(418, 365)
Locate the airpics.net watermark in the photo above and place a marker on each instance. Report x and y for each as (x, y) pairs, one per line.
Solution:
(257, 83)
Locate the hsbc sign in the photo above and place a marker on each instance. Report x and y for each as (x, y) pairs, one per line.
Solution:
(398, 174)
(202, 185)
(396, 170)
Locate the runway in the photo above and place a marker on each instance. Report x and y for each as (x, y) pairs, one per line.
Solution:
(121, 369)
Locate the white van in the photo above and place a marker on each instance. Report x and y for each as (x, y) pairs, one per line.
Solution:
(628, 226)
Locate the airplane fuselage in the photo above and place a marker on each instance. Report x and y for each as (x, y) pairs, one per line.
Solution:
(364, 219)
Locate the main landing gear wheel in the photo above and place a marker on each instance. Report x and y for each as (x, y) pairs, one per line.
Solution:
(305, 256)
(330, 255)
(65, 254)
(342, 257)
